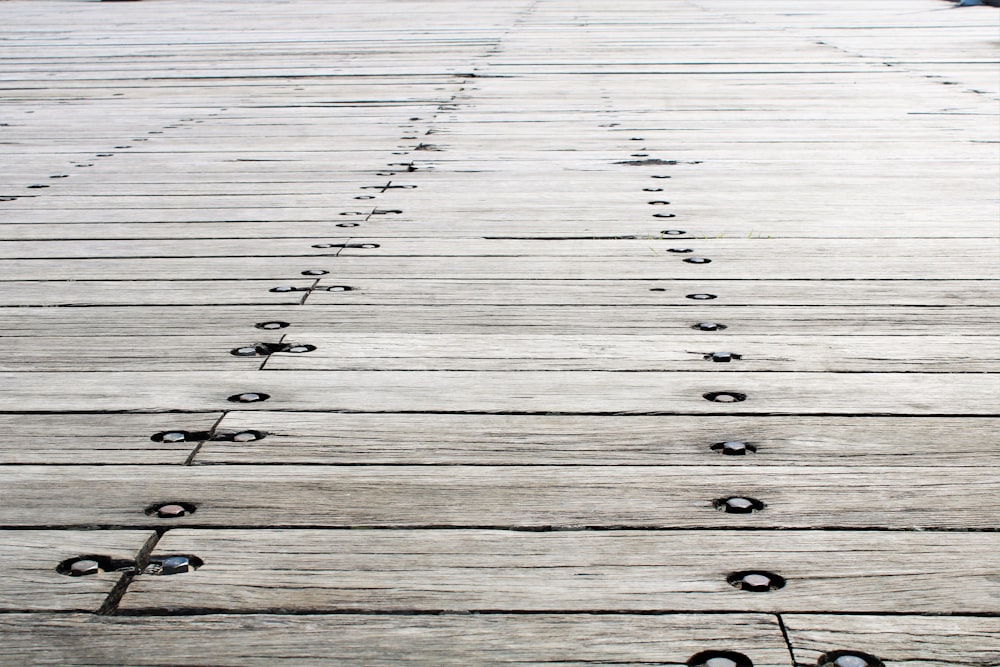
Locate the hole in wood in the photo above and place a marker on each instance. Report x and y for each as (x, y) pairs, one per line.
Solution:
(248, 397)
(162, 566)
(756, 581)
(848, 659)
(83, 566)
(709, 326)
(170, 510)
(673, 232)
(240, 436)
(719, 659)
(179, 436)
(738, 505)
(273, 324)
(725, 397)
(734, 448)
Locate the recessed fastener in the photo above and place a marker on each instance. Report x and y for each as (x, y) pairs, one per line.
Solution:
(335, 288)
(664, 215)
(171, 436)
(287, 288)
(59, 176)
(348, 224)
(82, 568)
(275, 324)
(738, 505)
(719, 659)
(680, 250)
(315, 272)
(701, 297)
(658, 202)
(247, 436)
(652, 189)
(170, 510)
(167, 565)
(756, 581)
(248, 397)
(658, 176)
(299, 349)
(848, 659)
(722, 357)
(734, 448)
(365, 197)
(725, 397)
(697, 260)
(250, 351)
(36, 186)
(673, 232)
(709, 326)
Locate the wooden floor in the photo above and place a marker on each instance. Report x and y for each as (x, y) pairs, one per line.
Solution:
(499, 332)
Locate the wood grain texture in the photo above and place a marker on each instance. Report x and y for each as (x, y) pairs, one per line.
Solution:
(906, 640)
(472, 570)
(434, 439)
(259, 640)
(661, 497)
(909, 394)
(31, 557)
(97, 439)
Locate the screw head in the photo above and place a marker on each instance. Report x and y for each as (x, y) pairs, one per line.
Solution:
(701, 297)
(848, 659)
(246, 436)
(283, 288)
(719, 659)
(664, 215)
(300, 349)
(339, 288)
(698, 260)
(175, 565)
(738, 505)
(249, 397)
(171, 511)
(722, 357)
(680, 250)
(725, 397)
(734, 448)
(315, 272)
(248, 351)
(658, 202)
(673, 232)
(173, 436)
(756, 581)
(84, 567)
(709, 326)
(272, 325)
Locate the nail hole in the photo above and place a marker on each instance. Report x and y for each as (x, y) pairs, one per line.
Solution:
(738, 505)
(652, 189)
(240, 436)
(657, 289)
(719, 659)
(734, 448)
(701, 297)
(249, 397)
(664, 215)
(83, 566)
(659, 176)
(170, 437)
(709, 326)
(698, 260)
(59, 176)
(170, 510)
(680, 250)
(756, 581)
(275, 324)
(348, 224)
(365, 197)
(37, 187)
(848, 659)
(722, 357)
(725, 397)
(658, 203)
(162, 566)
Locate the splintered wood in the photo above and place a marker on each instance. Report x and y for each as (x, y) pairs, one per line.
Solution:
(499, 332)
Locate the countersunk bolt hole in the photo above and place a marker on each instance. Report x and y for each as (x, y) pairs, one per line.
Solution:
(719, 659)
(756, 581)
(83, 566)
(734, 448)
(725, 397)
(848, 659)
(162, 566)
(170, 510)
(738, 505)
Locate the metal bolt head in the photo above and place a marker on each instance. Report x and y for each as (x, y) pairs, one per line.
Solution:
(83, 568)
(701, 297)
(300, 349)
(283, 288)
(249, 397)
(719, 659)
(680, 250)
(673, 232)
(756, 581)
(722, 357)
(849, 659)
(315, 272)
(271, 325)
(173, 436)
(709, 326)
(664, 215)
(248, 351)
(738, 505)
(175, 565)
(733, 448)
(725, 397)
(245, 436)
(698, 260)
(171, 511)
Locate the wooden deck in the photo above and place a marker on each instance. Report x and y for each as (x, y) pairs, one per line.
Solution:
(505, 275)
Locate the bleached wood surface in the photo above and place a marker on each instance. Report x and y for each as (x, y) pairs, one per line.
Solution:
(518, 351)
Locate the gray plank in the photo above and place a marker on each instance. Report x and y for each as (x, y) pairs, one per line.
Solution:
(663, 497)
(101, 439)
(474, 570)
(380, 641)
(423, 439)
(909, 640)
(544, 392)
(32, 583)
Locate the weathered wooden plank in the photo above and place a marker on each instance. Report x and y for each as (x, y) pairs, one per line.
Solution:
(477, 570)
(635, 351)
(503, 352)
(663, 497)
(31, 557)
(101, 439)
(423, 439)
(320, 319)
(910, 640)
(908, 394)
(127, 291)
(374, 640)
